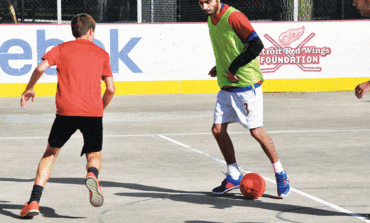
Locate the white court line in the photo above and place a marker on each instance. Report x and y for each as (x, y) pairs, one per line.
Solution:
(203, 133)
(272, 181)
(281, 131)
(192, 149)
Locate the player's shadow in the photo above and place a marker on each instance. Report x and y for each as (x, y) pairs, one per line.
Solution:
(232, 200)
(5, 208)
(195, 197)
(218, 202)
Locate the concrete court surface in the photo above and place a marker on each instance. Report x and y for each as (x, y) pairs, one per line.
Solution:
(160, 161)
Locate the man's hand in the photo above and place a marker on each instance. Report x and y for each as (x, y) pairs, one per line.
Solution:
(213, 72)
(27, 94)
(361, 89)
(109, 91)
(30, 92)
(232, 77)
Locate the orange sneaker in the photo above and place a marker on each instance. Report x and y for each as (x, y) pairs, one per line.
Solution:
(30, 210)
(96, 194)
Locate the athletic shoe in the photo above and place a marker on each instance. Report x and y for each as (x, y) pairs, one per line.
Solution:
(30, 210)
(96, 194)
(227, 185)
(282, 182)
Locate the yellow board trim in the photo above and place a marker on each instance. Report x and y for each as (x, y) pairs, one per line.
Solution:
(312, 85)
(197, 86)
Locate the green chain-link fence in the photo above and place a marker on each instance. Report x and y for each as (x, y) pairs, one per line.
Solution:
(148, 11)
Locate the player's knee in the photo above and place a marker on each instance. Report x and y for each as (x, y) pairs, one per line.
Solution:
(51, 151)
(217, 130)
(257, 132)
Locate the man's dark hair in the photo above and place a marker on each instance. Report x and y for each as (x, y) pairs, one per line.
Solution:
(81, 24)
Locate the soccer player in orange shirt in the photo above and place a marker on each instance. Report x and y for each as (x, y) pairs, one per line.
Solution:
(81, 66)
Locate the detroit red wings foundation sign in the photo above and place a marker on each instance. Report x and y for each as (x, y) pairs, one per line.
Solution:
(291, 48)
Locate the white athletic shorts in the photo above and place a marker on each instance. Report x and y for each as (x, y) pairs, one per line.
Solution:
(244, 107)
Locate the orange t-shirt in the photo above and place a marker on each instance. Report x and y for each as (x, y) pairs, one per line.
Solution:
(81, 67)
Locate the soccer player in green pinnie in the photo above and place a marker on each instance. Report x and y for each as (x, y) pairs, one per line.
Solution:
(236, 47)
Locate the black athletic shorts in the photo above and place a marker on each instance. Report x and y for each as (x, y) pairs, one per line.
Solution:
(65, 126)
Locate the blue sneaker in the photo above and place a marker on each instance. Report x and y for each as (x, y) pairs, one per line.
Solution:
(227, 185)
(282, 182)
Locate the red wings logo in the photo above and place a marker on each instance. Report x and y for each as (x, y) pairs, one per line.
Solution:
(288, 37)
(282, 52)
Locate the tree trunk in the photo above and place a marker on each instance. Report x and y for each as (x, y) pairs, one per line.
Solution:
(101, 7)
(287, 10)
(305, 10)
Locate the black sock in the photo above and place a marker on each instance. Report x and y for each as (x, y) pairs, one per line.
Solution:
(94, 171)
(36, 193)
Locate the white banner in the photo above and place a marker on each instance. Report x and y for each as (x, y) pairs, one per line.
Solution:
(331, 49)
(152, 52)
(138, 52)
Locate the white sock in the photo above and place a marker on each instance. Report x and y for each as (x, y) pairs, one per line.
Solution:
(278, 168)
(233, 171)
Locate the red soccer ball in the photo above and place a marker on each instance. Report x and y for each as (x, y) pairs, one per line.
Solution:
(252, 186)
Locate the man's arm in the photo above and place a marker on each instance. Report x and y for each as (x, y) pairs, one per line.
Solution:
(109, 91)
(254, 48)
(244, 30)
(30, 92)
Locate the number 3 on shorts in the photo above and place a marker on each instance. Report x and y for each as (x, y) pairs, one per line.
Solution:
(246, 108)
